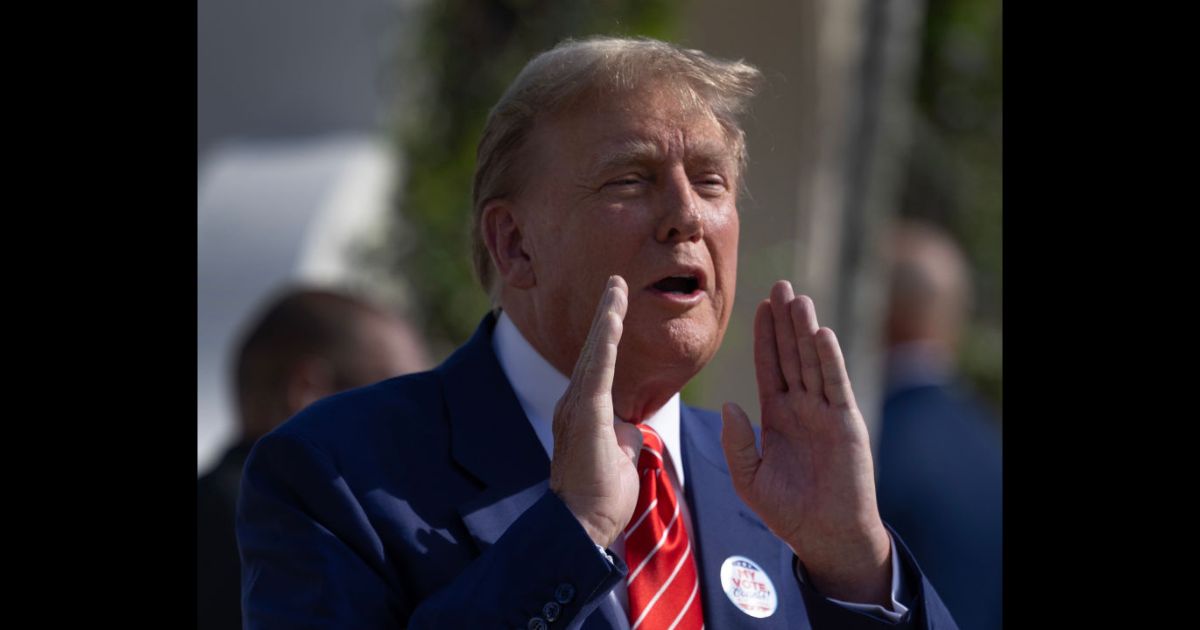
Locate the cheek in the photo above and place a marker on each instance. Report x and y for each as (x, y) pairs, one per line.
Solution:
(581, 254)
(724, 249)
(606, 240)
(723, 245)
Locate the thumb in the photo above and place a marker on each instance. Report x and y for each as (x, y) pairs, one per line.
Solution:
(737, 440)
(629, 438)
(598, 360)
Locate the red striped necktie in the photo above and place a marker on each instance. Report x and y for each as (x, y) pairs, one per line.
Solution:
(664, 590)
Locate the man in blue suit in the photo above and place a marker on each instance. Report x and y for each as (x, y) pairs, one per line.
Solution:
(939, 458)
(510, 487)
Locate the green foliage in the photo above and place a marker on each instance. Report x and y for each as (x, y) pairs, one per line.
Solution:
(954, 174)
(468, 52)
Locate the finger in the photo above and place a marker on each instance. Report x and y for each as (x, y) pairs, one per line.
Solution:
(785, 337)
(737, 440)
(804, 321)
(598, 360)
(603, 306)
(629, 438)
(833, 370)
(766, 359)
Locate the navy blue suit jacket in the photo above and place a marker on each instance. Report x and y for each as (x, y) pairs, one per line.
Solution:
(422, 502)
(940, 487)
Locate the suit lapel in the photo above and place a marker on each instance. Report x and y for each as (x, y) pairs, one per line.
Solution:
(724, 526)
(490, 438)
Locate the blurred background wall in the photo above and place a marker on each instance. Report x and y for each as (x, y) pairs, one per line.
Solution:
(289, 69)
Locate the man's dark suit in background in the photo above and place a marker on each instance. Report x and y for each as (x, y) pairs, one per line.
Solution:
(939, 475)
(304, 345)
(940, 488)
(218, 569)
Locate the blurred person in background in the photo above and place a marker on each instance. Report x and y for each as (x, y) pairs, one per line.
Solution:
(939, 448)
(547, 475)
(306, 344)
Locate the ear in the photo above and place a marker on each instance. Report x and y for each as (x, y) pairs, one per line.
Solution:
(309, 380)
(505, 242)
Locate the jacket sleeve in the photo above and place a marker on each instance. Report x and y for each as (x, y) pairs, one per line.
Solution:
(925, 609)
(311, 558)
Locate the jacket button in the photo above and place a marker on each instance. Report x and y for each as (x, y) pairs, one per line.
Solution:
(551, 611)
(564, 593)
(537, 623)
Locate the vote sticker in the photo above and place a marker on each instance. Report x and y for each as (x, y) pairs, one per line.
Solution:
(748, 587)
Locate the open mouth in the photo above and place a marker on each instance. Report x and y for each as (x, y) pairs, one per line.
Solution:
(678, 285)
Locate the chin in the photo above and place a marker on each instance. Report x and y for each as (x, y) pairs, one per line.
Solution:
(678, 346)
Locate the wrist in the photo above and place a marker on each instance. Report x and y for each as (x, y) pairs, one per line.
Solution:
(599, 529)
(858, 570)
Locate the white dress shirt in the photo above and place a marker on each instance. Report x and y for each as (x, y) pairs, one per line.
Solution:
(539, 385)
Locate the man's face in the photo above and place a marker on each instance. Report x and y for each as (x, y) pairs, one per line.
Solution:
(639, 186)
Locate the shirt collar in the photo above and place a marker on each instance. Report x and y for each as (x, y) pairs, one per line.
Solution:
(539, 386)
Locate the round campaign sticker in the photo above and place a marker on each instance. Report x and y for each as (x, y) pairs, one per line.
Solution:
(748, 587)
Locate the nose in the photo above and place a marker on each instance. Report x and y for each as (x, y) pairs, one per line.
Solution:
(681, 220)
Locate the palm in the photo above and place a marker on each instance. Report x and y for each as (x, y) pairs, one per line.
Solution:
(812, 462)
(814, 483)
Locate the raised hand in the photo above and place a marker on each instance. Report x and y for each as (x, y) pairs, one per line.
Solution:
(592, 470)
(814, 483)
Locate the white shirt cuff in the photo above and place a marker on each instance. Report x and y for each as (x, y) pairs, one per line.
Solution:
(875, 610)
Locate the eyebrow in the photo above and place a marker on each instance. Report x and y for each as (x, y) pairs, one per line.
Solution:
(642, 152)
(626, 153)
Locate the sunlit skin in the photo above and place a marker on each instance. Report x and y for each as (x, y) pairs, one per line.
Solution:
(621, 194)
(642, 188)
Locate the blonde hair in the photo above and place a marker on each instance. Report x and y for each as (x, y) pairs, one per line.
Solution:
(556, 79)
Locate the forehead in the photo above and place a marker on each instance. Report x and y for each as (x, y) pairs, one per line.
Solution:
(635, 125)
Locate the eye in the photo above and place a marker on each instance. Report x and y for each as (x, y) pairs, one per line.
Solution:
(713, 184)
(629, 181)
